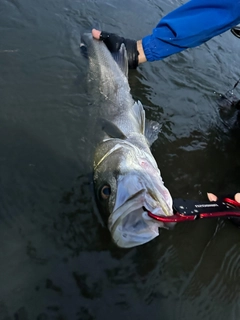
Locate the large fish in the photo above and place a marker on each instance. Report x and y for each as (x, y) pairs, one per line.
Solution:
(126, 176)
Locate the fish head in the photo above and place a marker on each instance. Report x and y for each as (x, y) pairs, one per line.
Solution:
(127, 185)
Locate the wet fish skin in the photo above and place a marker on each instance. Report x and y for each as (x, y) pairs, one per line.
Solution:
(123, 162)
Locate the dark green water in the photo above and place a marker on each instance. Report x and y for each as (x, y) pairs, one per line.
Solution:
(57, 261)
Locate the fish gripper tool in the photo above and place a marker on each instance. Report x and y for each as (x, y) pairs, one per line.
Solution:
(189, 210)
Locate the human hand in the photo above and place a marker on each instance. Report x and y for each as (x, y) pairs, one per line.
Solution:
(213, 197)
(114, 42)
(236, 197)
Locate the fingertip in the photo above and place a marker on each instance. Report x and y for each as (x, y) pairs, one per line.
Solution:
(237, 197)
(211, 197)
(96, 34)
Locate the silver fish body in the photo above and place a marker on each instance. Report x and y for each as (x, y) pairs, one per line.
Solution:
(126, 176)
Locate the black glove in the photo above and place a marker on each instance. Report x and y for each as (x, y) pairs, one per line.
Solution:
(113, 42)
(236, 31)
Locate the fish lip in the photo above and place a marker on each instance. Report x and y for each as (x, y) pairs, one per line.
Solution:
(144, 205)
(135, 213)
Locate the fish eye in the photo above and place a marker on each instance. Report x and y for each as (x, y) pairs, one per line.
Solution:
(105, 192)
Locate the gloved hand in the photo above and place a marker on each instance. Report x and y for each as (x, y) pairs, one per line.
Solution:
(113, 42)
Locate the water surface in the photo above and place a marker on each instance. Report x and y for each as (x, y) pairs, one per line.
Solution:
(57, 260)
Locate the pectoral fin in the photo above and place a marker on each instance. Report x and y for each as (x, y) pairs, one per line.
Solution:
(152, 129)
(111, 129)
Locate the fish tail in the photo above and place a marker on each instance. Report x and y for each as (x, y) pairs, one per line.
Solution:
(121, 59)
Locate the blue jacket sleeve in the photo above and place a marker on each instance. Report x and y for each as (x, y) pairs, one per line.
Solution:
(190, 25)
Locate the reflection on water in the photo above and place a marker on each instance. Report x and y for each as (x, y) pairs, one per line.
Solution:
(57, 257)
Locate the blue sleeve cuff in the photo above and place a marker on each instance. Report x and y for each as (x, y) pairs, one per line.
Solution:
(156, 49)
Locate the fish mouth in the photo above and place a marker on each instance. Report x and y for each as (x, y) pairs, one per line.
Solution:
(129, 222)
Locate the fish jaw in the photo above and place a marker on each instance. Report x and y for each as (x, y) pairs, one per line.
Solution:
(129, 222)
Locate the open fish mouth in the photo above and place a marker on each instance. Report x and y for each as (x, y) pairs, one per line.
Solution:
(129, 222)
